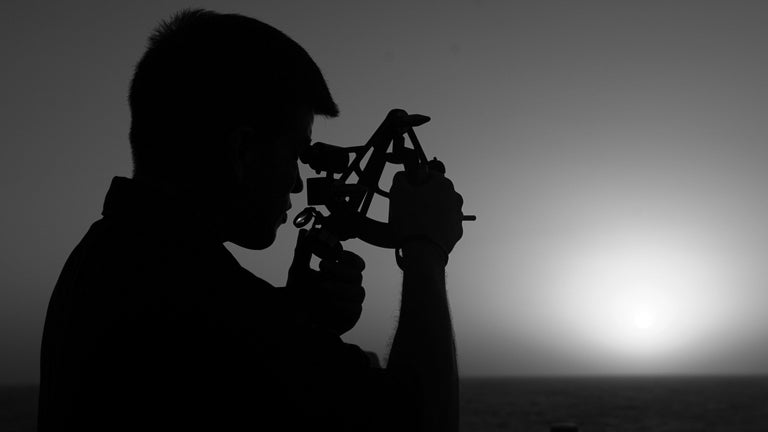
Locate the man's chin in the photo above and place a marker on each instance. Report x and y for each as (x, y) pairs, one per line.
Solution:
(255, 241)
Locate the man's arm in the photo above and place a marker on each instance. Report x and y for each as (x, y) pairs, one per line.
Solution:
(423, 346)
(423, 353)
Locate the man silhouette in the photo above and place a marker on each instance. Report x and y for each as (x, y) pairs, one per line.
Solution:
(154, 325)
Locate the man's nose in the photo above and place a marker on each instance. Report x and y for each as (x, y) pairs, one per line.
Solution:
(298, 185)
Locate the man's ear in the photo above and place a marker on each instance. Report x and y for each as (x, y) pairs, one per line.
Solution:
(241, 151)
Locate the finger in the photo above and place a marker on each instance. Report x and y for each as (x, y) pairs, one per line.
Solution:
(302, 254)
(342, 319)
(400, 180)
(433, 179)
(334, 273)
(448, 182)
(352, 260)
(342, 293)
(424, 176)
(348, 263)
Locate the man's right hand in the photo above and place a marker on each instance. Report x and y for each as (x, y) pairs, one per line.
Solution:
(431, 209)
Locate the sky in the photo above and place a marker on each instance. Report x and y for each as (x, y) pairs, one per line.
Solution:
(613, 151)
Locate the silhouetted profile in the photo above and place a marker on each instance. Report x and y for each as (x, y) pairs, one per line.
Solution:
(154, 325)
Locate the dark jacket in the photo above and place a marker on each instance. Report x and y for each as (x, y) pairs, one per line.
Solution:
(152, 325)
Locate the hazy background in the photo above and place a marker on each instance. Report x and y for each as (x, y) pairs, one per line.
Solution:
(613, 151)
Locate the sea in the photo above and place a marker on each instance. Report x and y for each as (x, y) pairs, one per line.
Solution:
(545, 404)
(626, 404)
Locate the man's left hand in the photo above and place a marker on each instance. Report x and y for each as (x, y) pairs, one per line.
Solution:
(332, 297)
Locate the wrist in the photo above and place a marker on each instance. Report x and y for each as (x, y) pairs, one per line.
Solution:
(424, 250)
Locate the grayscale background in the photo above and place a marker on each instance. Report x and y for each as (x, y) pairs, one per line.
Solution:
(614, 152)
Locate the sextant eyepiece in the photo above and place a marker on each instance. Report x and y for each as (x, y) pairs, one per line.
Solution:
(326, 157)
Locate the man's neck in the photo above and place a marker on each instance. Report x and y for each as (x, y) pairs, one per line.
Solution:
(196, 204)
(167, 187)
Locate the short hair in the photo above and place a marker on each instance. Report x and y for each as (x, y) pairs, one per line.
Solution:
(204, 72)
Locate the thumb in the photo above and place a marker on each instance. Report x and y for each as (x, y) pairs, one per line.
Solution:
(302, 254)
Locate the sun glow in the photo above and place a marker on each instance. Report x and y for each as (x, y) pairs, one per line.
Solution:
(643, 299)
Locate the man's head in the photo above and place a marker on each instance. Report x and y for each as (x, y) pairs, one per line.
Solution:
(222, 104)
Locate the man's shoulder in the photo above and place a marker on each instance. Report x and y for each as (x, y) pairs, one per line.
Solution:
(131, 261)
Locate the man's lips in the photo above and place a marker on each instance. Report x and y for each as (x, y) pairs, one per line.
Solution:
(287, 208)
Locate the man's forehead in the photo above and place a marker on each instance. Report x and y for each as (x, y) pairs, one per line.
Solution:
(302, 128)
(301, 122)
(307, 121)
(299, 131)
(294, 127)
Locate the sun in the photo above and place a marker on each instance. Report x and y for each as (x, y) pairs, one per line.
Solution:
(643, 319)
